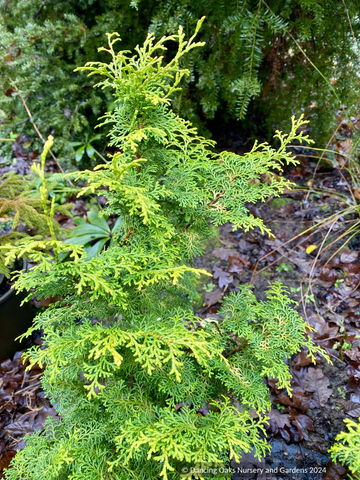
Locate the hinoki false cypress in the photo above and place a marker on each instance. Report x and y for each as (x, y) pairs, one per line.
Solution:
(144, 388)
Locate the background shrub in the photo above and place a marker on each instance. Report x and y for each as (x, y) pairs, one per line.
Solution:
(248, 54)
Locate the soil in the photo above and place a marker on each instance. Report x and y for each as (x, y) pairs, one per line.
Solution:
(326, 295)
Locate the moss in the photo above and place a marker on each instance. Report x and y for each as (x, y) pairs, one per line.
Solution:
(202, 282)
(267, 274)
(198, 302)
(212, 242)
(276, 203)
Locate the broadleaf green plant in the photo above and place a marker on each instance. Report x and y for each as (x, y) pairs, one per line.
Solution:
(146, 389)
(95, 234)
(86, 146)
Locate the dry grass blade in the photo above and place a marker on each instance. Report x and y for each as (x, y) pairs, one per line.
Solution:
(319, 226)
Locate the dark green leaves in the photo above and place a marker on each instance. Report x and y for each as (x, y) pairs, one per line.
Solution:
(95, 234)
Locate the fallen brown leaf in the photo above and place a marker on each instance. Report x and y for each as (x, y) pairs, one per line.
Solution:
(349, 256)
(237, 263)
(222, 276)
(302, 423)
(322, 328)
(357, 193)
(302, 360)
(317, 384)
(223, 253)
(213, 297)
(299, 400)
(352, 409)
(5, 460)
(334, 471)
(353, 354)
(281, 419)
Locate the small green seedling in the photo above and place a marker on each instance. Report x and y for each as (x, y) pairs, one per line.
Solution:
(310, 298)
(209, 287)
(338, 282)
(283, 267)
(341, 392)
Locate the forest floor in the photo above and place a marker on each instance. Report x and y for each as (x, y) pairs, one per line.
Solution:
(309, 227)
(324, 285)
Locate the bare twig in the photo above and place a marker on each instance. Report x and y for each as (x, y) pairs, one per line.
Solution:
(324, 150)
(314, 265)
(344, 298)
(39, 10)
(238, 349)
(35, 126)
(29, 387)
(127, 236)
(350, 24)
(318, 226)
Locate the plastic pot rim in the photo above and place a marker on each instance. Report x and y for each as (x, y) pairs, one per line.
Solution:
(11, 292)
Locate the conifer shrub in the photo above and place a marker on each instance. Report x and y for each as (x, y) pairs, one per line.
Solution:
(144, 388)
(347, 448)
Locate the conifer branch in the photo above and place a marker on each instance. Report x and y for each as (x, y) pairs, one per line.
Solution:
(127, 236)
(221, 194)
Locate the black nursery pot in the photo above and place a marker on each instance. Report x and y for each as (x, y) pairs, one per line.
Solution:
(14, 319)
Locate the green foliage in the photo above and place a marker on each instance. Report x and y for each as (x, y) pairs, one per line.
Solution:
(19, 205)
(283, 267)
(95, 234)
(57, 187)
(17, 201)
(347, 450)
(16, 207)
(316, 76)
(143, 387)
(235, 33)
(41, 45)
(247, 53)
(86, 147)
